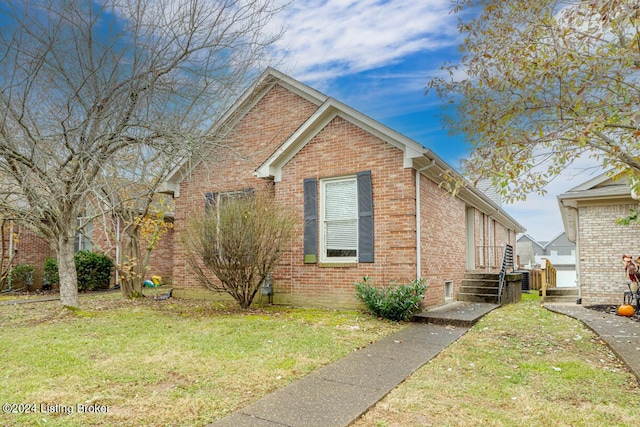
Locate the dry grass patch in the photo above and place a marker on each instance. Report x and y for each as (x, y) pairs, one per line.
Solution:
(521, 365)
(174, 362)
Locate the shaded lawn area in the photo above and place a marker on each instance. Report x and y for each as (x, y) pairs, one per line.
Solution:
(520, 365)
(174, 362)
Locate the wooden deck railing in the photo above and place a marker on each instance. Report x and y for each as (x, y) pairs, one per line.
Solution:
(543, 278)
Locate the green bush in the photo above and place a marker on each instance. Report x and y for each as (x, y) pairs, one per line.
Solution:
(51, 276)
(396, 302)
(21, 277)
(94, 270)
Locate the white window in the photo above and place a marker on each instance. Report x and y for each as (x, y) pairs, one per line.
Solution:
(83, 236)
(339, 220)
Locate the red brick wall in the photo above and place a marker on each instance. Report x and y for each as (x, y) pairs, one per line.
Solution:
(442, 240)
(343, 149)
(230, 166)
(161, 258)
(340, 149)
(31, 250)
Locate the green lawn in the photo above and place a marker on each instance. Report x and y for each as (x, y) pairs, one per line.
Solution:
(521, 365)
(173, 362)
(185, 362)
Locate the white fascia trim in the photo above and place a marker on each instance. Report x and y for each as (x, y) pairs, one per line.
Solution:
(245, 103)
(272, 167)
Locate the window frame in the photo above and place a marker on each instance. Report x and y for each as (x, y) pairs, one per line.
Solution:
(82, 239)
(324, 258)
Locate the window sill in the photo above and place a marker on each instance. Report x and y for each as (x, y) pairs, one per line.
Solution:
(338, 264)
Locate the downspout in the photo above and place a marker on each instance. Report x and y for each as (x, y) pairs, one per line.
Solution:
(117, 276)
(418, 214)
(10, 239)
(11, 244)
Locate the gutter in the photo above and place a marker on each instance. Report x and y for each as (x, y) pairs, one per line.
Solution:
(418, 215)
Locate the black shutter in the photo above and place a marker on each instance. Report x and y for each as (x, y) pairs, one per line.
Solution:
(310, 221)
(209, 201)
(365, 217)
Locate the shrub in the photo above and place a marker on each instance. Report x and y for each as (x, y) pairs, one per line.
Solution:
(396, 302)
(94, 270)
(22, 276)
(234, 246)
(51, 276)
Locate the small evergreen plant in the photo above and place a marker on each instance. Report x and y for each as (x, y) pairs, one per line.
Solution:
(395, 302)
(94, 270)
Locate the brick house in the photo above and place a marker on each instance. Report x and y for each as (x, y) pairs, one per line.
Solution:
(368, 200)
(29, 248)
(589, 213)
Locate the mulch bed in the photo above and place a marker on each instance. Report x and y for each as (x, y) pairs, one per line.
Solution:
(611, 309)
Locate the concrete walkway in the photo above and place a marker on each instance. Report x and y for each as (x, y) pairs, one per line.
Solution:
(621, 334)
(338, 394)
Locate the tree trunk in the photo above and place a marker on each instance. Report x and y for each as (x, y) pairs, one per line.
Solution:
(67, 272)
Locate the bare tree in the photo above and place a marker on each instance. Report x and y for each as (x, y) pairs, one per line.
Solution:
(132, 217)
(82, 82)
(9, 235)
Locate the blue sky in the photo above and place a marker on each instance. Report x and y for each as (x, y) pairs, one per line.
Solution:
(377, 56)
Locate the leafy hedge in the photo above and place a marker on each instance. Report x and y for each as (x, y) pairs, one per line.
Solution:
(94, 270)
(396, 302)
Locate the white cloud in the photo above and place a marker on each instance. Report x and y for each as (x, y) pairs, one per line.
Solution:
(333, 38)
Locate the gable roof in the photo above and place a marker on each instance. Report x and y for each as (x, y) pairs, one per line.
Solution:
(531, 239)
(601, 188)
(331, 108)
(559, 235)
(263, 84)
(415, 155)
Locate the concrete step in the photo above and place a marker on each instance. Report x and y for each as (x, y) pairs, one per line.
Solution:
(478, 288)
(560, 300)
(459, 313)
(474, 275)
(562, 292)
(561, 295)
(475, 297)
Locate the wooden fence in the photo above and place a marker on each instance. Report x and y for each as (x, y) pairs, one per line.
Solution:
(543, 277)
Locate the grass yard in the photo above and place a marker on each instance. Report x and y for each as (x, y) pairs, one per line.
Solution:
(521, 365)
(161, 363)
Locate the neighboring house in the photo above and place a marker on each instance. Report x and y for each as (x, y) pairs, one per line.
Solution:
(589, 213)
(26, 247)
(559, 251)
(367, 200)
(29, 248)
